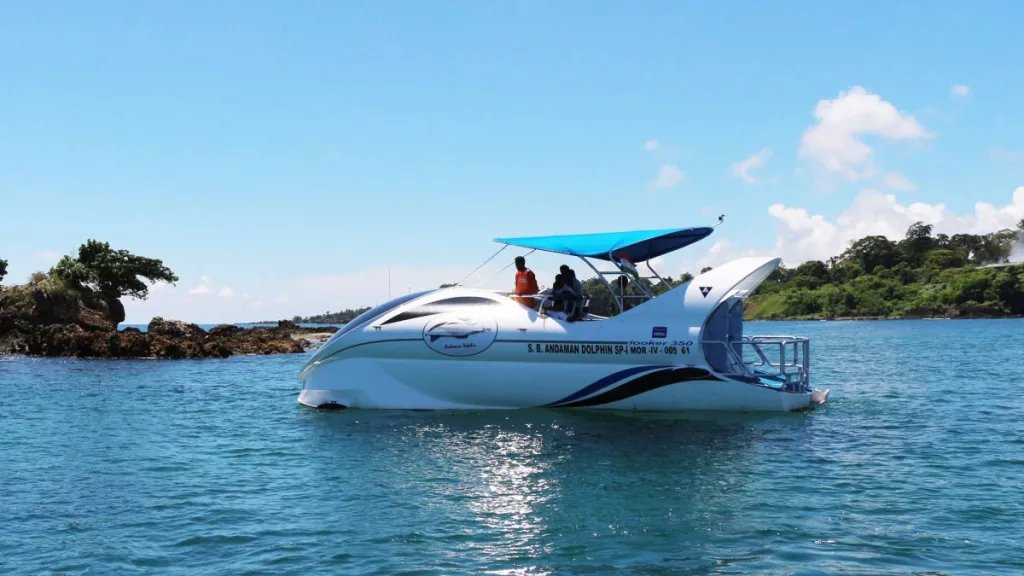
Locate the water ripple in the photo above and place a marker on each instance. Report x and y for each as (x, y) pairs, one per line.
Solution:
(916, 466)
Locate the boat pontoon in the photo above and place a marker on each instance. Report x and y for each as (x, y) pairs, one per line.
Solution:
(467, 348)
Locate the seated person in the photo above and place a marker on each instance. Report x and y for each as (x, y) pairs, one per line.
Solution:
(563, 300)
(574, 292)
(570, 275)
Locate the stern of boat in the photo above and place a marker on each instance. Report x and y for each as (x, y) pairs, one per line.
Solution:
(780, 362)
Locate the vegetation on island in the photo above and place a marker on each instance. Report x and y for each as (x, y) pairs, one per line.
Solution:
(75, 309)
(113, 273)
(337, 318)
(95, 279)
(921, 276)
(3, 269)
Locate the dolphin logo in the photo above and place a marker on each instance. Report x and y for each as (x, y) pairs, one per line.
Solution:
(458, 336)
(458, 329)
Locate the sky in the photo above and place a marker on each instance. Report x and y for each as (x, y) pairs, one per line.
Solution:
(282, 158)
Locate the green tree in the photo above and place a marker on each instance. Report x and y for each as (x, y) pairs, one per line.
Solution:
(967, 244)
(943, 259)
(917, 243)
(112, 273)
(904, 273)
(872, 251)
(3, 268)
(814, 269)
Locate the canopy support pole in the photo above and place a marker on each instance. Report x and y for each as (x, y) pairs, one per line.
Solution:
(606, 283)
(653, 271)
(503, 267)
(459, 283)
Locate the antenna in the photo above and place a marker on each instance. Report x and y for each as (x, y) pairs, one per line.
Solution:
(721, 219)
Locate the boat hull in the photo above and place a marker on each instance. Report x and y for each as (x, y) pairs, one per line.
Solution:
(382, 383)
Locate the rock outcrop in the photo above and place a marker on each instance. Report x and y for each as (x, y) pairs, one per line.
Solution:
(38, 320)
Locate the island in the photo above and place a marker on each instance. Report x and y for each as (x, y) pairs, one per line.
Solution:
(74, 310)
(921, 276)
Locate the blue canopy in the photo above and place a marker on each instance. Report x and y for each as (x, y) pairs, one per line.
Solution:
(637, 245)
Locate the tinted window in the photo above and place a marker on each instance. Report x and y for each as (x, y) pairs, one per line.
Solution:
(444, 305)
(373, 313)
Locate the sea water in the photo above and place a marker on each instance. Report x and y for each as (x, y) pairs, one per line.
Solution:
(915, 465)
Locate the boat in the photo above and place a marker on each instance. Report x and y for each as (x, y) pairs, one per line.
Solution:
(463, 348)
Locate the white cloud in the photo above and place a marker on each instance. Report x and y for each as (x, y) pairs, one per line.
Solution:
(961, 90)
(897, 181)
(202, 288)
(835, 143)
(757, 160)
(669, 175)
(693, 259)
(651, 145)
(803, 236)
(206, 287)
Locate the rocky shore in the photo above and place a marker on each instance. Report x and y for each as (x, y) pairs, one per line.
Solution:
(36, 321)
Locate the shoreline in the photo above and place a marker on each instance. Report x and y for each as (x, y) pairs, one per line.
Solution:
(884, 318)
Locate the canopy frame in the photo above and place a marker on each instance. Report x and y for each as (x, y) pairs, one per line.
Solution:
(635, 246)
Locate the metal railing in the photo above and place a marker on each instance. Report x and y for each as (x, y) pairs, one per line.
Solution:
(793, 355)
(783, 358)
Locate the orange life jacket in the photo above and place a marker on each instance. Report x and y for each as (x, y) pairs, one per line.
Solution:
(526, 283)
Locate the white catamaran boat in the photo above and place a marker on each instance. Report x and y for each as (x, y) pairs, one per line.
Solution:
(463, 348)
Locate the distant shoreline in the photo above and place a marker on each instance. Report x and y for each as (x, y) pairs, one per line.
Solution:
(885, 318)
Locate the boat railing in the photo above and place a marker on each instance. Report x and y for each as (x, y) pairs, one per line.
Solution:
(785, 359)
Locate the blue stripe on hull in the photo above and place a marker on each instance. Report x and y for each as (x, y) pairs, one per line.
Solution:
(604, 383)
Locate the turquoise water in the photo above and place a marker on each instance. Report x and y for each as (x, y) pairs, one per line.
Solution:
(915, 466)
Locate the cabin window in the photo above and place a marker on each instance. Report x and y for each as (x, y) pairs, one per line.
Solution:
(440, 306)
(374, 313)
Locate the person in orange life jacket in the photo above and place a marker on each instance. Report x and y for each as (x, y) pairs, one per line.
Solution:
(526, 283)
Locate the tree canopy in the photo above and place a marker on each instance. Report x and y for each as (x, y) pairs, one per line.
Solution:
(113, 273)
(3, 268)
(921, 275)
